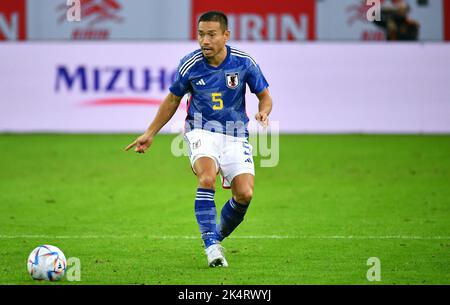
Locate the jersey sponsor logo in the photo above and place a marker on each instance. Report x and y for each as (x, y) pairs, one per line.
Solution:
(232, 80)
(201, 82)
(196, 144)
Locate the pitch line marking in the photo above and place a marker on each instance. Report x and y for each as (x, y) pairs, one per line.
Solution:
(356, 237)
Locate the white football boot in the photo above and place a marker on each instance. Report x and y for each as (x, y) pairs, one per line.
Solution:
(215, 256)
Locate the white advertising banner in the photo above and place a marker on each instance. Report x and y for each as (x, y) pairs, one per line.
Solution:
(109, 19)
(319, 87)
(85, 87)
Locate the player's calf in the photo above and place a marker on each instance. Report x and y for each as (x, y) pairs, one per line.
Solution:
(244, 196)
(242, 188)
(231, 216)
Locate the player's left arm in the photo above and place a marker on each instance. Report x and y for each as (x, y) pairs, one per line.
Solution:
(264, 107)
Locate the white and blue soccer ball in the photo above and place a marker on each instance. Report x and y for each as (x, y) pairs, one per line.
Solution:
(47, 263)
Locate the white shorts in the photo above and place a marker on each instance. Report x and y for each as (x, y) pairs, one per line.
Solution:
(232, 156)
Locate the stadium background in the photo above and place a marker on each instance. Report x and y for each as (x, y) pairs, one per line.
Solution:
(69, 90)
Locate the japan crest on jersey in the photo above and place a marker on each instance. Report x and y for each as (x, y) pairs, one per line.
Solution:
(232, 80)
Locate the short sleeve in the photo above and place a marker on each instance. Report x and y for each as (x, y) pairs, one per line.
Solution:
(181, 84)
(256, 80)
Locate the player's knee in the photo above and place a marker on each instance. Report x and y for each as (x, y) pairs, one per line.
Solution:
(245, 196)
(207, 181)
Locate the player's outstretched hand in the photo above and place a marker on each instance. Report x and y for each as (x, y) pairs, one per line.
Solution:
(262, 118)
(142, 143)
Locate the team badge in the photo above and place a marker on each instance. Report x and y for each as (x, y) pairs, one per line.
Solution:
(232, 80)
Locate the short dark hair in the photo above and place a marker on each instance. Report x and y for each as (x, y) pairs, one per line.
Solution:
(215, 16)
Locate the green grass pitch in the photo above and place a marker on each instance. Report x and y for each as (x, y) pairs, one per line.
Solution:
(332, 202)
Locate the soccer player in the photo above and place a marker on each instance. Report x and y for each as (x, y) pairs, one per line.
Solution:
(215, 78)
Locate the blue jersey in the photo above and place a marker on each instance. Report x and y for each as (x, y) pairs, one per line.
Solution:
(217, 94)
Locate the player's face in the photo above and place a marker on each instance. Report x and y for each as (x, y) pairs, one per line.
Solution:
(212, 38)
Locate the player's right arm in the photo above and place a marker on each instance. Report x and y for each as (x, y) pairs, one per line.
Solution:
(178, 89)
(165, 112)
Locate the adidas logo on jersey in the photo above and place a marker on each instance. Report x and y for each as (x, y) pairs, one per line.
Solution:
(201, 82)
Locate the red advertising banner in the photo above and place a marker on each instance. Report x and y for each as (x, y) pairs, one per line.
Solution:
(12, 20)
(259, 20)
(447, 20)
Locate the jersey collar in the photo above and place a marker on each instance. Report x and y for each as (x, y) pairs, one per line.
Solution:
(224, 62)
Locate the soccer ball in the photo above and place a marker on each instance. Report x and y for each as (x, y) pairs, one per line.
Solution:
(46, 263)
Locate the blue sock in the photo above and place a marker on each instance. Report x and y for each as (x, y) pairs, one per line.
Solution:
(231, 216)
(205, 211)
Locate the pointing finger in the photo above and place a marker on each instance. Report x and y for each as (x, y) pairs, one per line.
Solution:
(131, 145)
